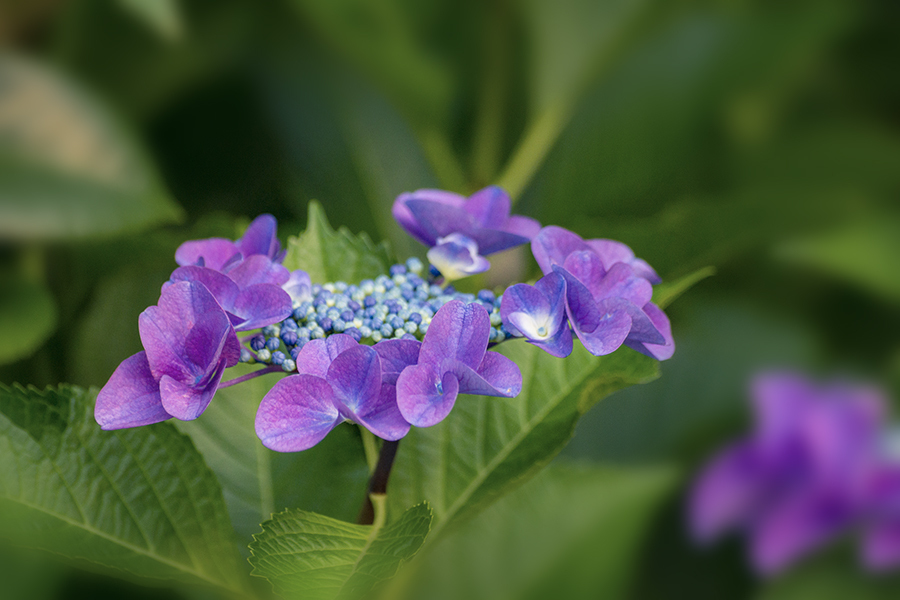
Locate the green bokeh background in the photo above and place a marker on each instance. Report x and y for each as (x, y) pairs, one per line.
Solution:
(761, 138)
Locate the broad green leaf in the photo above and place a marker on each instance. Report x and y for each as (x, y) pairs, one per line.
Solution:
(139, 500)
(667, 292)
(311, 557)
(29, 575)
(67, 168)
(571, 532)
(329, 255)
(866, 254)
(329, 478)
(488, 445)
(163, 16)
(28, 317)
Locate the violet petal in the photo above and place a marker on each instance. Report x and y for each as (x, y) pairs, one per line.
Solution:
(260, 305)
(459, 331)
(497, 375)
(258, 269)
(316, 355)
(355, 376)
(185, 401)
(212, 253)
(553, 244)
(223, 289)
(296, 414)
(131, 396)
(424, 395)
(395, 356)
(260, 237)
(490, 207)
(660, 322)
(382, 417)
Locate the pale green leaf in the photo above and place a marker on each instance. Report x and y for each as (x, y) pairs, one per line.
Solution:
(329, 255)
(163, 16)
(67, 167)
(488, 445)
(571, 532)
(309, 556)
(27, 318)
(139, 500)
(667, 292)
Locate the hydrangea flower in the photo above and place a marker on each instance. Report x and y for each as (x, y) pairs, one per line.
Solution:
(484, 217)
(188, 342)
(608, 303)
(219, 253)
(453, 359)
(538, 313)
(456, 256)
(801, 478)
(337, 380)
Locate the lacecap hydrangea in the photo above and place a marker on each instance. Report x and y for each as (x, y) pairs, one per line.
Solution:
(387, 353)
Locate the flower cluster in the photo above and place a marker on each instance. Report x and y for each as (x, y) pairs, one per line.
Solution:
(386, 353)
(816, 466)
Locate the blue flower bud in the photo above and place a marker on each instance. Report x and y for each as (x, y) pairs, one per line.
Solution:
(258, 342)
(277, 357)
(246, 356)
(415, 317)
(289, 337)
(325, 323)
(397, 270)
(273, 343)
(386, 330)
(354, 333)
(396, 322)
(414, 265)
(264, 355)
(295, 351)
(288, 365)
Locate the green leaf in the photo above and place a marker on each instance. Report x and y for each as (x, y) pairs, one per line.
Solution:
(864, 253)
(163, 16)
(667, 292)
(67, 167)
(309, 556)
(488, 445)
(572, 532)
(329, 255)
(140, 500)
(329, 478)
(28, 316)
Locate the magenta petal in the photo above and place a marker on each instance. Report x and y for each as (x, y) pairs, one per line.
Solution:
(395, 356)
(355, 376)
(260, 237)
(553, 244)
(212, 253)
(260, 305)
(424, 396)
(496, 376)
(296, 414)
(316, 356)
(131, 396)
(458, 331)
(382, 417)
(223, 289)
(490, 207)
(187, 402)
(258, 269)
(660, 324)
(881, 545)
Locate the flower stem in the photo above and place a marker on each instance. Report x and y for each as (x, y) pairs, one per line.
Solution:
(248, 376)
(378, 482)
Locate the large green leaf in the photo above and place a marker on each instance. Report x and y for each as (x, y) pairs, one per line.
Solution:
(329, 478)
(571, 532)
(329, 255)
(667, 292)
(488, 445)
(309, 556)
(139, 500)
(67, 167)
(28, 316)
(163, 16)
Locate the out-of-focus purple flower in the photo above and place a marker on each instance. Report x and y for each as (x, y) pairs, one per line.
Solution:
(298, 286)
(429, 215)
(538, 313)
(453, 359)
(607, 296)
(219, 253)
(337, 380)
(456, 256)
(801, 478)
(188, 342)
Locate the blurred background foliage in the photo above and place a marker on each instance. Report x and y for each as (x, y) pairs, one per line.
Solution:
(759, 137)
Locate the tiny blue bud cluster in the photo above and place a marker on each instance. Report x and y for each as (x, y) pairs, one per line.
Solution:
(400, 305)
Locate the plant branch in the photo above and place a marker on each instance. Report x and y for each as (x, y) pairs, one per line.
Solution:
(248, 376)
(378, 482)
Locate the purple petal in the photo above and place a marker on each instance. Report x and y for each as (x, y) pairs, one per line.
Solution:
(296, 414)
(490, 207)
(131, 396)
(456, 256)
(260, 305)
(780, 400)
(395, 356)
(355, 376)
(260, 237)
(316, 356)
(611, 252)
(560, 344)
(522, 226)
(258, 269)
(496, 376)
(881, 545)
(494, 240)
(439, 220)
(298, 286)
(586, 267)
(213, 253)
(186, 401)
(424, 396)
(383, 417)
(223, 289)
(796, 525)
(660, 326)
(621, 282)
(602, 327)
(644, 330)
(553, 244)
(459, 331)
(539, 314)
(405, 217)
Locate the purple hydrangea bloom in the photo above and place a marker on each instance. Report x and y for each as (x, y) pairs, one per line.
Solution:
(801, 478)
(188, 342)
(338, 379)
(456, 256)
(484, 217)
(607, 301)
(453, 359)
(538, 313)
(218, 253)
